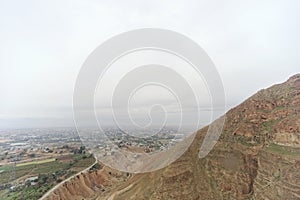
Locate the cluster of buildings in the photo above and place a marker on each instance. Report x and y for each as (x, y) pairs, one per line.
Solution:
(20, 145)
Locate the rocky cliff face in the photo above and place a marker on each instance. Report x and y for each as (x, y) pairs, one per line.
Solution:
(256, 157)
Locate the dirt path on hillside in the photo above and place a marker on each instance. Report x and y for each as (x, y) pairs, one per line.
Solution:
(61, 183)
(119, 192)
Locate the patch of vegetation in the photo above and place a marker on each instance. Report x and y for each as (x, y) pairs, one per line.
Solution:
(268, 126)
(283, 150)
(246, 141)
(27, 192)
(84, 161)
(213, 183)
(96, 167)
(49, 173)
(279, 108)
(32, 155)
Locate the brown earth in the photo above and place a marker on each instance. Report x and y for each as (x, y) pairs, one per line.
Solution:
(88, 185)
(256, 157)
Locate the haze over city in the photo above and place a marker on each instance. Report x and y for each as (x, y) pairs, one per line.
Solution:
(44, 44)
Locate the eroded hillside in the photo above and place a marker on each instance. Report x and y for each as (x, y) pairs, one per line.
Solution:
(256, 157)
(89, 185)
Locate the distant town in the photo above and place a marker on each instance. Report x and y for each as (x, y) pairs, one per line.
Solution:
(21, 145)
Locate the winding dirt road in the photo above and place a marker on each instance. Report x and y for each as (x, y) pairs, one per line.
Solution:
(61, 183)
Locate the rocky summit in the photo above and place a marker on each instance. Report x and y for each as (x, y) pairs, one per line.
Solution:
(256, 157)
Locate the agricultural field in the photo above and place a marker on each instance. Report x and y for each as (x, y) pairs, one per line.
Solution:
(36, 162)
(46, 174)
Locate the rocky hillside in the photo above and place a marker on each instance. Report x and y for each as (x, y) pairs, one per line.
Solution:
(88, 185)
(256, 157)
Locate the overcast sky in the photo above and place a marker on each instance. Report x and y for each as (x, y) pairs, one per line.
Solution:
(43, 44)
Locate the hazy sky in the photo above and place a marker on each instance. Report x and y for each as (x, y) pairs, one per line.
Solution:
(43, 44)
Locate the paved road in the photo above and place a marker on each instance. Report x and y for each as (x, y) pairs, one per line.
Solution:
(58, 185)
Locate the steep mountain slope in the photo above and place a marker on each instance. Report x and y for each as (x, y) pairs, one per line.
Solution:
(257, 156)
